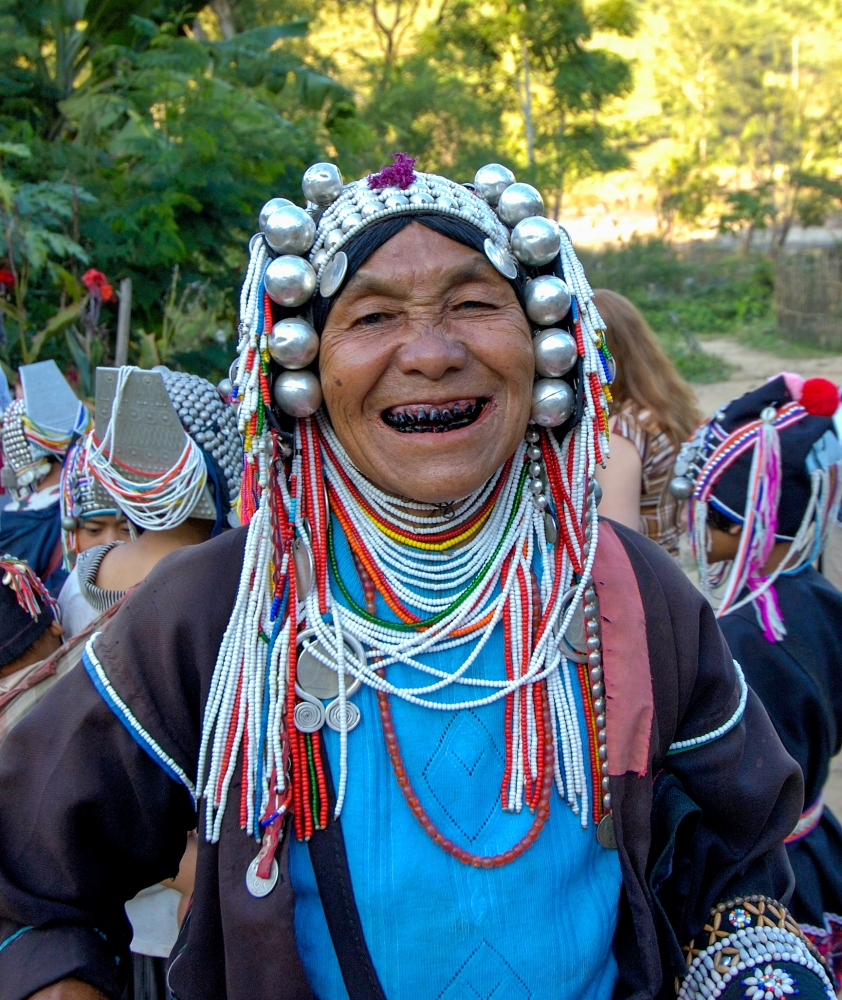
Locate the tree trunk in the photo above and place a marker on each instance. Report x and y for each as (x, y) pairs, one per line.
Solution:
(527, 105)
(225, 16)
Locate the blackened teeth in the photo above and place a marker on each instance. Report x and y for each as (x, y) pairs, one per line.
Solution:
(436, 421)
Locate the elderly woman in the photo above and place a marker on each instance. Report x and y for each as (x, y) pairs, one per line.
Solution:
(441, 743)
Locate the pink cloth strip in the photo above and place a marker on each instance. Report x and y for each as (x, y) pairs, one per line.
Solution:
(629, 702)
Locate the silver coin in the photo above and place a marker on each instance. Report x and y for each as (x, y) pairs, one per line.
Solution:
(260, 887)
(605, 833)
(333, 274)
(314, 677)
(501, 259)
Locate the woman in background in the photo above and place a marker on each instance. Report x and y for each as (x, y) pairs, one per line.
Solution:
(654, 411)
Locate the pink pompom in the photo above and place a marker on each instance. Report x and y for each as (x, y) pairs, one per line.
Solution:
(794, 383)
(820, 397)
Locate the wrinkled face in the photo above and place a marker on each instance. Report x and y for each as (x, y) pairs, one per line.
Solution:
(101, 529)
(426, 366)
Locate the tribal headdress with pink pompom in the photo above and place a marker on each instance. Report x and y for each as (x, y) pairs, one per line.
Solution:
(770, 462)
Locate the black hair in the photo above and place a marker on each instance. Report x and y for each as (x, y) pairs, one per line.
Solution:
(364, 244)
(720, 521)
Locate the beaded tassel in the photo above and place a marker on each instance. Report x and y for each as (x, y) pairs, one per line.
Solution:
(250, 711)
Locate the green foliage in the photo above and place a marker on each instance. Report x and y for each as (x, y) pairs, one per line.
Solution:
(152, 146)
(753, 94)
(687, 292)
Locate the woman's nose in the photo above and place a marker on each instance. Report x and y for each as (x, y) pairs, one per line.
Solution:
(431, 353)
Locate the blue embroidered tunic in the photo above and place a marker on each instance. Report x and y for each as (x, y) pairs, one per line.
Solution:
(437, 929)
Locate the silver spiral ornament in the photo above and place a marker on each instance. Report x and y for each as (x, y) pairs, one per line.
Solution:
(309, 714)
(333, 716)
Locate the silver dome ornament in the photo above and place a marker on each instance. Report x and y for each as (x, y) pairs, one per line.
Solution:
(491, 181)
(297, 393)
(290, 230)
(555, 353)
(318, 259)
(547, 300)
(552, 402)
(271, 206)
(535, 241)
(322, 183)
(69, 523)
(501, 259)
(333, 275)
(293, 343)
(225, 387)
(518, 202)
(290, 281)
(682, 488)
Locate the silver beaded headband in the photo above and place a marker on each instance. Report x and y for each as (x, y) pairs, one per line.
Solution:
(300, 250)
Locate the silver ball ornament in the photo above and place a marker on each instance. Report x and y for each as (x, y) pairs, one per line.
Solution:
(535, 241)
(271, 206)
(297, 393)
(552, 402)
(290, 230)
(518, 202)
(491, 181)
(555, 353)
(547, 300)
(69, 524)
(682, 488)
(322, 183)
(225, 387)
(293, 343)
(290, 281)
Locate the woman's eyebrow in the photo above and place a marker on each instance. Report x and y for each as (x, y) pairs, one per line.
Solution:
(373, 284)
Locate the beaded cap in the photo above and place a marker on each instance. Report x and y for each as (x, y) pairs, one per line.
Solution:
(157, 411)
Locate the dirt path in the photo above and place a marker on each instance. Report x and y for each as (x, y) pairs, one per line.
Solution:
(753, 368)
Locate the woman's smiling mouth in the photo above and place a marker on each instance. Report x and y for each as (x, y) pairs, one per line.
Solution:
(434, 418)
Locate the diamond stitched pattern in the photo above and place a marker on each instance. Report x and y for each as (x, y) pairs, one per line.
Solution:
(486, 976)
(463, 774)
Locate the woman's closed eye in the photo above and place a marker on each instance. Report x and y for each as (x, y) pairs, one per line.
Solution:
(371, 319)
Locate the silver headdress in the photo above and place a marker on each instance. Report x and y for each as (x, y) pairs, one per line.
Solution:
(39, 427)
(161, 439)
(301, 250)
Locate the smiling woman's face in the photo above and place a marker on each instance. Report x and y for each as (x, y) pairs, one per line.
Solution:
(425, 325)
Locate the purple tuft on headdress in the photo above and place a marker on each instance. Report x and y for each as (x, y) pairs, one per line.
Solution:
(398, 174)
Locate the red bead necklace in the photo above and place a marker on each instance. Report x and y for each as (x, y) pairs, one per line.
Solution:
(538, 801)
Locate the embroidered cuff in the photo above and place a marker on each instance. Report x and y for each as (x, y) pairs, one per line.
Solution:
(753, 949)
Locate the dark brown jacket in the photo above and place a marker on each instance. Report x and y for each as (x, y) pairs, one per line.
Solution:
(87, 818)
